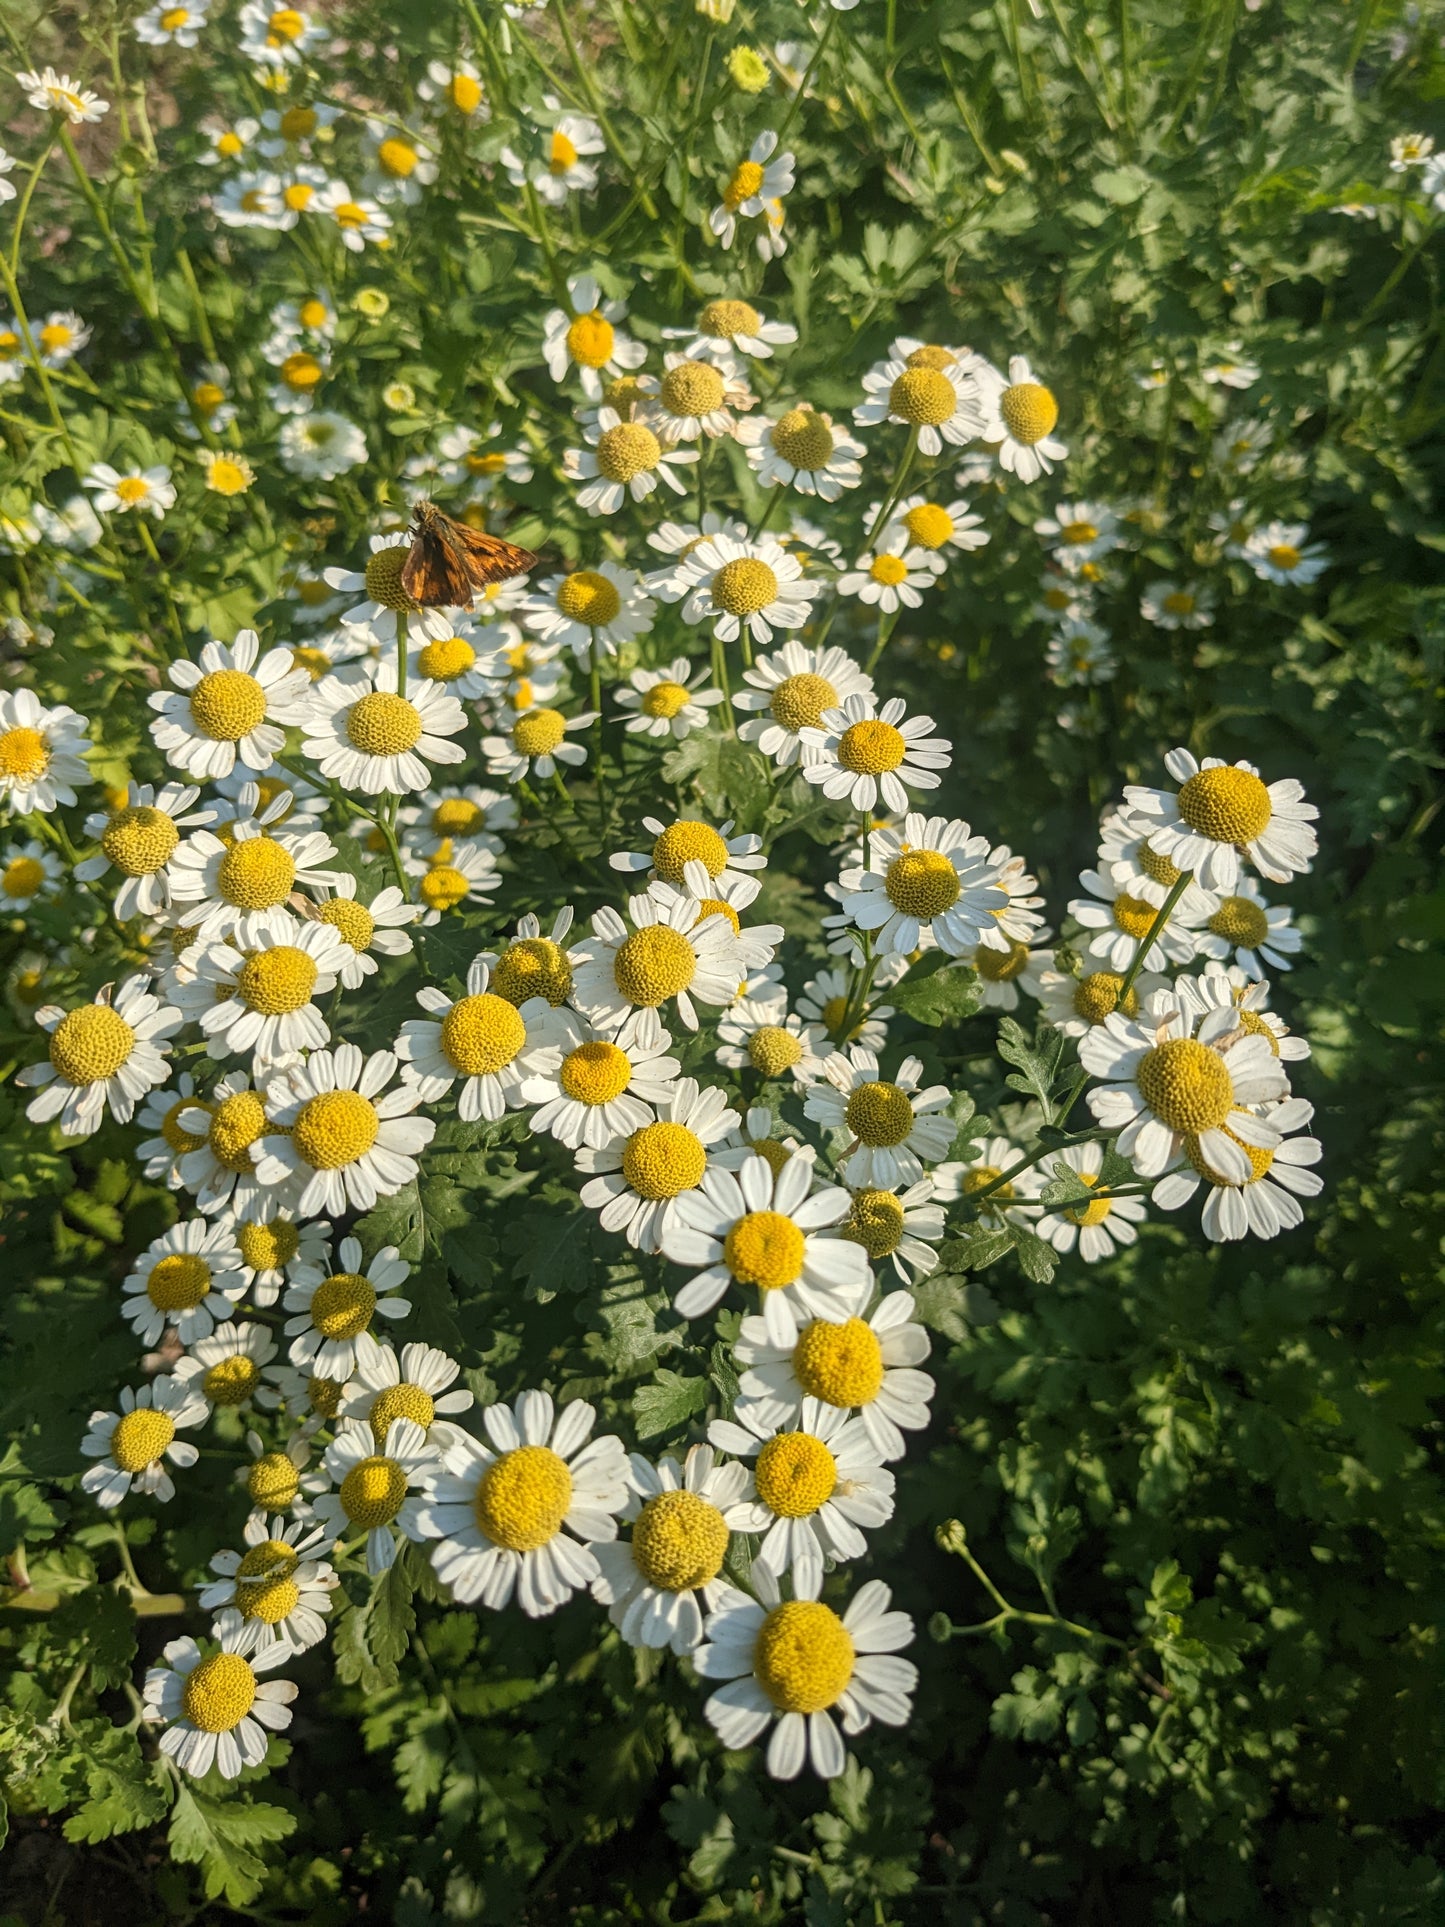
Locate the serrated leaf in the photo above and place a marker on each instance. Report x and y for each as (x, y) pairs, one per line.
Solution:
(944, 996)
(392, 1618)
(976, 1247)
(217, 1836)
(667, 1403)
(1036, 1258)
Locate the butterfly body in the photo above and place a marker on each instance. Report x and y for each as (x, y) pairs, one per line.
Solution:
(448, 561)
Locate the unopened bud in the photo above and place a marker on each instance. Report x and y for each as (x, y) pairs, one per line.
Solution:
(951, 1536)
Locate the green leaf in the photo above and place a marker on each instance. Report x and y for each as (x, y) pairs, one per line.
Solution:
(667, 1403)
(392, 1618)
(945, 995)
(218, 1835)
(1036, 1258)
(977, 1247)
(1038, 1064)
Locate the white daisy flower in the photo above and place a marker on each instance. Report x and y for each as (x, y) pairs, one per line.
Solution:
(290, 130)
(1079, 654)
(263, 999)
(241, 887)
(403, 166)
(321, 446)
(382, 596)
(160, 1154)
(759, 1034)
(1080, 532)
(636, 1181)
(894, 1126)
(919, 523)
(590, 609)
(804, 450)
(727, 897)
(1020, 415)
(481, 1038)
(1221, 811)
(864, 752)
(218, 1141)
(148, 490)
(624, 458)
(1230, 370)
(669, 702)
(890, 581)
(1406, 151)
(41, 752)
(74, 526)
(1132, 864)
(272, 1480)
(454, 664)
(232, 707)
(795, 1661)
(133, 1444)
(276, 1592)
(904, 1226)
(673, 949)
(457, 815)
(275, 1248)
(589, 339)
(684, 841)
(728, 328)
(531, 965)
(60, 337)
(300, 375)
(225, 1369)
(865, 1364)
(55, 93)
(1007, 1203)
(679, 539)
(105, 1054)
(28, 873)
(414, 1386)
(1264, 1203)
(1098, 1226)
(1245, 930)
(308, 1398)
(251, 199)
(794, 688)
(824, 1001)
(463, 462)
(1166, 1080)
(367, 737)
(563, 171)
(139, 839)
(190, 1278)
(941, 403)
(348, 1139)
(1170, 606)
(358, 219)
(930, 878)
(215, 1711)
(650, 1582)
(752, 587)
(1119, 923)
(1240, 445)
(520, 1512)
(458, 85)
(1282, 552)
(754, 185)
(1063, 601)
(772, 1230)
(381, 1491)
(379, 926)
(333, 1311)
(278, 38)
(452, 876)
(1221, 988)
(596, 1085)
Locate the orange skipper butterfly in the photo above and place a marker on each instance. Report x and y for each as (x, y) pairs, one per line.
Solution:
(448, 561)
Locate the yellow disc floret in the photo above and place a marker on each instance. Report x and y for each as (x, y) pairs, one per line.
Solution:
(747, 178)
(354, 921)
(1240, 920)
(804, 438)
(236, 1124)
(679, 1541)
(446, 659)
(533, 967)
(400, 1401)
(803, 1657)
(373, 1491)
(766, 1249)
(256, 874)
(590, 339)
(523, 1498)
(1157, 868)
(726, 320)
(773, 1050)
(798, 701)
(277, 981)
(795, 1473)
(840, 1364)
(140, 1438)
(481, 1035)
(1029, 411)
(876, 1222)
(1095, 1211)
(871, 748)
(443, 887)
(227, 705)
(595, 1073)
(231, 1380)
(590, 597)
(653, 964)
(90, 1044)
(922, 884)
(1133, 915)
(273, 1483)
(1226, 805)
(890, 570)
(1097, 996)
(219, 1693)
(684, 843)
(879, 1114)
(628, 449)
(744, 585)
(663, 1160)
(323, 1396)
(182, 1141)
(334, 1128)
(1000, 966)
(923, 396)
(383, 578)
(179, 1281)
(24, 754)
(539, 732)
(139, 840)
(382, 723)
(692, 388)
(343, 1304)
(1186, 1085)
(664, 699)
(929, 525)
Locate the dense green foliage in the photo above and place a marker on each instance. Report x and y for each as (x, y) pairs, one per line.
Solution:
(1174, 1532)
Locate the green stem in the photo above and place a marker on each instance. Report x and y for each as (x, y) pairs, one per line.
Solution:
(23, 209)
(808, 72)
(886, 625)
(900, 481)
(583, 71)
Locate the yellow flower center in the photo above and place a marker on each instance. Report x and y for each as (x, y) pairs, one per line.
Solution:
(747, 178)
(179, 1281)
(466, 93)
(1260, 1161)
(256, 874)
(798, 702)
(323, 1395)
(804, 438)
(591, 339)
(350, 214)
(1092, 1213)
(539, 733)
(679, 1541)
(588, 596)
(23, 877)
(482, 1034)
(1186, 1085)
(277, 981)
(269, 1247)
(1133, 915)
(1239, 920)
(334, 1128)
(273, 1482)
(1076, 534)
(744, 586)
(398, 159)
(298, 123)
(664, 699)
(923, 396)
(523, 1497)
(842, 1364)
(1226, 805)
(725, 320)
(561, 155)
(1098, 996)
(803, 1658)
(132, 489)
(90, 1044)
(595, 1073)
(879, 1114)
(764, 1248)
(773, 1154)
(653, 964)
(343, 1305)
(1157, 868)
(795, 1473)
(227, 705)
(1000, 966)
(773, 1050)
(492, 464)
(230, 145)
(624, 451)
(55, 335)
(533, 967)
(382, 723)
(871, 747)
(929, 525)
(684, 843)
(1254, 1025)
(221, 1691)
(622, 392)
(663, 1160)
(237, 1123)
(269, 1599)
(182, 1141)
(922, 884)
(1179, 604)
(231, 1380)
(1285, 556)
(373, 1491)
(1057, 599)
(446, 659)
(691, 389)
(1029, 411)
(140, 1438)
(458, 816)
(715, 907)
(443, 887)
(876, 1223)
(355, 923)
(981, 1177)
(888, 569)
(401, 1401)
(228, 477)
(301, 371)
(383, 578)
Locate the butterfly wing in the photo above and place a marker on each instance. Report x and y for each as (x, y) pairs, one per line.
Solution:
(448, 561)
